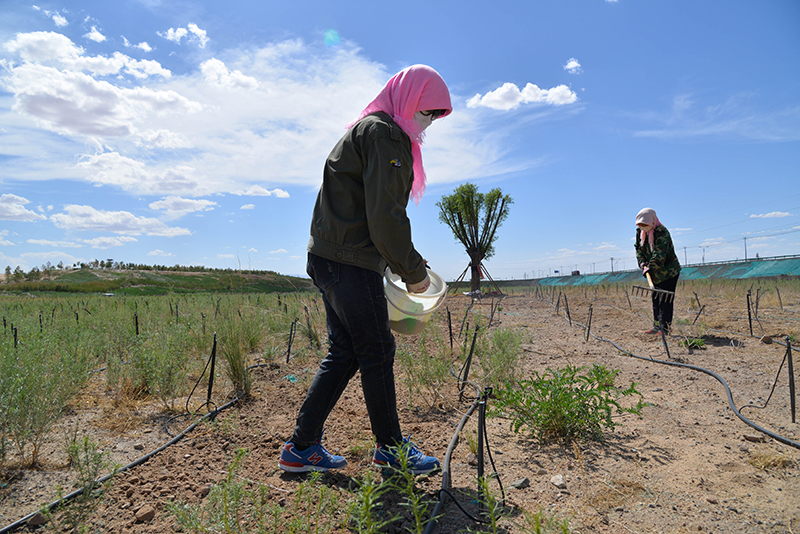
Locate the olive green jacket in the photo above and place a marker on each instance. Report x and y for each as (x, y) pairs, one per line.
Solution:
(662, 260)
(360, 213)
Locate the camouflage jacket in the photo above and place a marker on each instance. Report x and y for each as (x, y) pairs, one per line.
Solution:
(662, 260)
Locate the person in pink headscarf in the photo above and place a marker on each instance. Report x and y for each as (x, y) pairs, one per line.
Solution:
(358, 228)
(655, 254)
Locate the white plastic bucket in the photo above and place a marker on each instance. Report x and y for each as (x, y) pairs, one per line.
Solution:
(409, 312)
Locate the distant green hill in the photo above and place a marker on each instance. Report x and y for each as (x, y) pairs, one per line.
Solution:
(152, 282)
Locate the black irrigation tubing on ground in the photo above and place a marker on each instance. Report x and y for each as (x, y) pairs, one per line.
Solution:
(23, 521)
(446, 463)
(773, 435)
(448, 455)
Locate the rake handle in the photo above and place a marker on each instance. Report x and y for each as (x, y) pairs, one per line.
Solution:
(649, 280)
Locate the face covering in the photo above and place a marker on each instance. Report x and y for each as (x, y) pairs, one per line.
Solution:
(423, 120)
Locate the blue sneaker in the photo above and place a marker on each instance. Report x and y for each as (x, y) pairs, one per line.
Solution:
(418, 463)
(314, 458)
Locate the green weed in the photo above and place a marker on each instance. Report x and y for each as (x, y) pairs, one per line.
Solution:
(566, 403)
(90, 464)
(692, 343)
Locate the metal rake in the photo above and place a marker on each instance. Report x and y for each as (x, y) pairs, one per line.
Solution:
(659, 294)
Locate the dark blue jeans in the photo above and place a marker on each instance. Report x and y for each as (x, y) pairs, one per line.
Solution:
(360, 340)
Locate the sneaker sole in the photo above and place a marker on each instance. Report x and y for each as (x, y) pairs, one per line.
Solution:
(302, 468)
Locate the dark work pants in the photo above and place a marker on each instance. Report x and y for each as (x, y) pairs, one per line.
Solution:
(662, 309)
(360, 340)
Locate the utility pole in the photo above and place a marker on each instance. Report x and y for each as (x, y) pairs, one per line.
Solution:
(745, 248)
(684, 257)
(612, 264)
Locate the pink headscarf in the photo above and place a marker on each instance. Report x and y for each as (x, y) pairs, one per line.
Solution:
(415, 88)
(647, 216)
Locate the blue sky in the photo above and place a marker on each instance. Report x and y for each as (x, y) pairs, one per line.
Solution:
(194, 133)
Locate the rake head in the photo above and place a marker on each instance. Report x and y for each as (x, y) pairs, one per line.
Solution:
(659, 294)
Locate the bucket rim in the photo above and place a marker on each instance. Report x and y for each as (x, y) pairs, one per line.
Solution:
(431, 274)
(439, 295)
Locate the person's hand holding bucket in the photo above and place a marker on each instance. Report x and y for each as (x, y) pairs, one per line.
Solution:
(419, 287)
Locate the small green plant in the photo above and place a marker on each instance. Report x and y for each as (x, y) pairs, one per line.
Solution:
(37, 380)
(543, 523)
(491, 507)
(426, 369)
(499, 360)
(566, 403)
(221, 512)
(692, 343)
(90, 463)
(239, 506)
(366, 506)
(472, 441)
(234, 346)
(403, 480)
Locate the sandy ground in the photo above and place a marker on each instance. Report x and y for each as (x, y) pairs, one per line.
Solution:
(689, 464)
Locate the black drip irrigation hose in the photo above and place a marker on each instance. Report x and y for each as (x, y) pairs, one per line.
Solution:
(67, 498)
(22, 522)
(446, 464)
(444, 491)
(773, 435)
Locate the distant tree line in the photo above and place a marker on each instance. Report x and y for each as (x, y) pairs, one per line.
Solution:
(48, 270)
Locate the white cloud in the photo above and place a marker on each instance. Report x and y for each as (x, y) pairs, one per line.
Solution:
(734, 118)
(3, 241)
(141, 46)
(12, 209)
(74, 103)
(177, 34)
(58, 19)
(58, 51)
(174, 35)
(248, 207)
(158, 252)
(771, 215)
(291, 105)
(279, 251)
(509, 96)
(86, 218)
(58, 244)
(259, 191)
(216, 73)
(163, 139)
(573, 66)
(111, 168)
(108, 242)
(175, 206)
(95, 35)
(604, 246)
